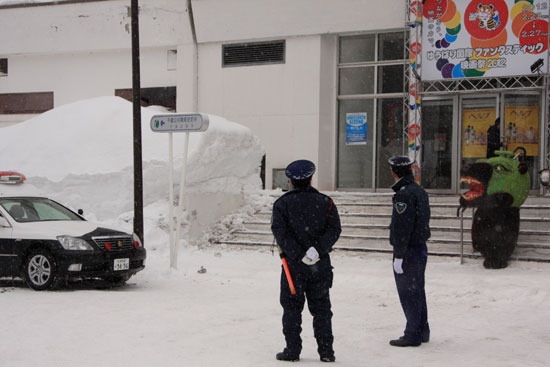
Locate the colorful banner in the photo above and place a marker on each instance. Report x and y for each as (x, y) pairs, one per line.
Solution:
(356, 128)
(414, 72)
(484, 38)
(521, 128)
(475, 122)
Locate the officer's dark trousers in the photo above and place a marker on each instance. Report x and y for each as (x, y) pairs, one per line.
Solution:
(313, 283)
(410, 286)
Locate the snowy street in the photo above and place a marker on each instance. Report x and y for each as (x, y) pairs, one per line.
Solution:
(230, 316)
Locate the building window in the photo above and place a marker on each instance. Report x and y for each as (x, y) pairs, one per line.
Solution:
(256, 53)
(3, 67)
(25, 103)
(371, 70)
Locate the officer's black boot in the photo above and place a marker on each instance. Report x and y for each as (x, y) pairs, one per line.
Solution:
(326, 353)
(328, 358)
(287, 355)
(402, 342)
(425, 336)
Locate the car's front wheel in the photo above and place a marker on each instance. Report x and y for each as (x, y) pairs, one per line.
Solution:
(40, 270)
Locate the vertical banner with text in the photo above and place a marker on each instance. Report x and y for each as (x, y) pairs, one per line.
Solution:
(415, 72)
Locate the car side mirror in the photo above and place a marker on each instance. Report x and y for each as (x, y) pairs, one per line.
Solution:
(80, 212)
(4, 222)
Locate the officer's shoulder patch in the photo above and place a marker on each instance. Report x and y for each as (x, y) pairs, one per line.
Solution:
(400, 207)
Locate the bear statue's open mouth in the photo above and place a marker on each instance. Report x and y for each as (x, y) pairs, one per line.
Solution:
(477, 188)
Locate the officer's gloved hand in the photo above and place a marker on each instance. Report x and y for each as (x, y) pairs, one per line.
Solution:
(312, 256)
(398, 265)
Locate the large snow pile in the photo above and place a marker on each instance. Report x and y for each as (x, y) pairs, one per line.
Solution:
(82, 155)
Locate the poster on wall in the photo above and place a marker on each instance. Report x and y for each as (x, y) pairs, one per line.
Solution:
(521, 128)
(475, 123)
(484, 38)
(356, 128)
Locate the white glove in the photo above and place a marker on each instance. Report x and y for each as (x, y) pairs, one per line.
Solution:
(312, 256)
(398, 265)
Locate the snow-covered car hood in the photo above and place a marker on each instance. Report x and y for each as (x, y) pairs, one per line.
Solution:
(52, 229)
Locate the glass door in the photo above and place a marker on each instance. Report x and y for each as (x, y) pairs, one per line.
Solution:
(438, 143)
(355, 143)
(477, 115)
(521, 128)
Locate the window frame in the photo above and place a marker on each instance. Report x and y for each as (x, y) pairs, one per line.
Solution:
(376, 97)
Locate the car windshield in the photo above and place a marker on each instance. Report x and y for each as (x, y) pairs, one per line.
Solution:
(36, 210)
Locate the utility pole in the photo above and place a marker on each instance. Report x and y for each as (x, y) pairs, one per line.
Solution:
(136, 100)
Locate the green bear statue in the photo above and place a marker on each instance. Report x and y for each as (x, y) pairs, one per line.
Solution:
(498, 187)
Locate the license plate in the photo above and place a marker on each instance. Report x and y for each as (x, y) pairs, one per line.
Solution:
(121, 264)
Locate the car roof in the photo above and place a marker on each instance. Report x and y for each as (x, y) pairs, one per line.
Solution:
(24, 197)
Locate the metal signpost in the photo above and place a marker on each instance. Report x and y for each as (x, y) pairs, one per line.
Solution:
(176, 123)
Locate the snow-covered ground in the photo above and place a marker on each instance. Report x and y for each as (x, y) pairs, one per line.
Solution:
(230, 314)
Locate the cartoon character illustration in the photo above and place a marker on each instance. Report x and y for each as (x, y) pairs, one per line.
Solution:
(488, 17)
(481, 140)
(498, 187)
(508, 131)
(523, 136)
(531, 137)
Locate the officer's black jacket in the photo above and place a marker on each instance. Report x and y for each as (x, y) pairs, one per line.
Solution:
(303, 218)
(410, 220)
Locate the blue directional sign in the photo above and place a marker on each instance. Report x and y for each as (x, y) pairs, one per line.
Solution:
(180, 122)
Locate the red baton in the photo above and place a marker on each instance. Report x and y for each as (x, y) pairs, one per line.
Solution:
(288, 277)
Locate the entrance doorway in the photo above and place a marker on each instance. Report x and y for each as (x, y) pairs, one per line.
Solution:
(438, 166)
(454, 134)
(476, 115)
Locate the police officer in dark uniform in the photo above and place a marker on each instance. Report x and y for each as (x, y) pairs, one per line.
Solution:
(409, 230)
(306, 225)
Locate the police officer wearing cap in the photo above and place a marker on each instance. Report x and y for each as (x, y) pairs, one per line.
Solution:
(306, 225)
(409, 230)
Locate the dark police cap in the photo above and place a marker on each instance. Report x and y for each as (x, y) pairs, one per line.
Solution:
(400, 161)
(300, 169)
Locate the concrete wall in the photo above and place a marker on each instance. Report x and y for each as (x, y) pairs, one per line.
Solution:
(83, 50)
(229, 20)
(91, 26)
(280, 102)
(291, 107)
(77, 76)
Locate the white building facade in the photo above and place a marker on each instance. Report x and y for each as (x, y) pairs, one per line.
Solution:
(294, 71)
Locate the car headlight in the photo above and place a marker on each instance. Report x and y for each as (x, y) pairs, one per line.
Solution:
(74, 243)
(137, 241)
